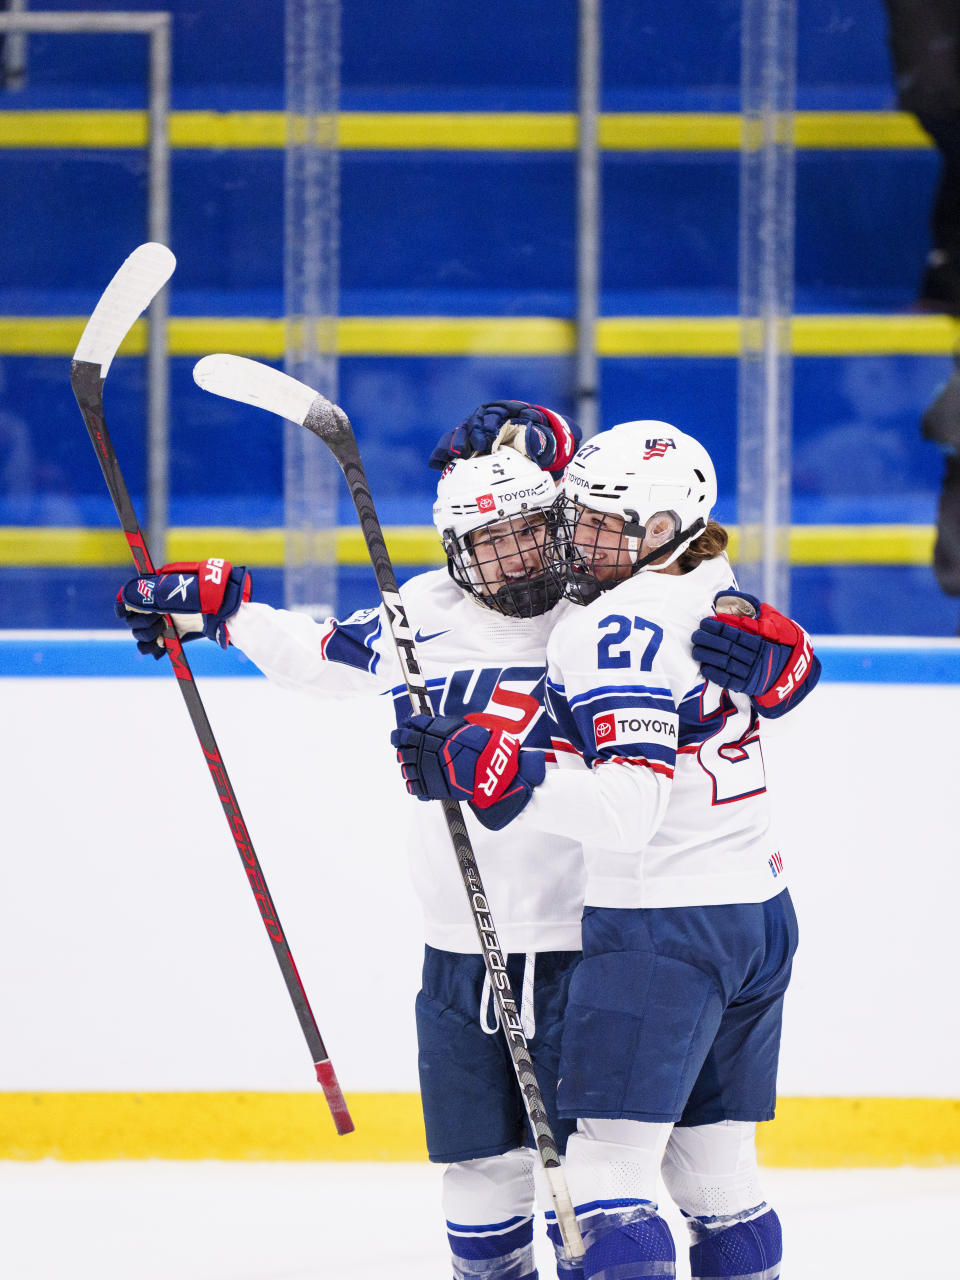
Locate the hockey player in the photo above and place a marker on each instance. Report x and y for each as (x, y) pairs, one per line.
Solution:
(672, 1028)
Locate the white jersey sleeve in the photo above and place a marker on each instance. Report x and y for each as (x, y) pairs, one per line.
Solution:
(332, 657)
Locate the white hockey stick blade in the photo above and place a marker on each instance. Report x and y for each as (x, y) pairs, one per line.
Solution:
(250, 382)
(138, 281)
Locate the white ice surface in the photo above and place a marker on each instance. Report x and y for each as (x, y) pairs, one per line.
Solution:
(160, 1220)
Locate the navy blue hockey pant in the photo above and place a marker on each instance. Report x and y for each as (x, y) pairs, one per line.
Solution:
(472, 1105)
(674, 1013)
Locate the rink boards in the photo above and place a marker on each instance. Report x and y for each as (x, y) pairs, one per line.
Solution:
(148, 1017)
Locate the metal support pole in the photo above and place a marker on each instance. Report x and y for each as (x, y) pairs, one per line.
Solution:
(15, 53)
(155, 25)
(767, 217)
(158, 360)
(311, 272)
(588, 214)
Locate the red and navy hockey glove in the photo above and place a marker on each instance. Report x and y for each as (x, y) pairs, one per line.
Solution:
(751, 648)
(445, 758)
(543, 436)
(200, 597)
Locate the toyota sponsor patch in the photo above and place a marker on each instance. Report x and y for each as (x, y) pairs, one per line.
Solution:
(619, 727)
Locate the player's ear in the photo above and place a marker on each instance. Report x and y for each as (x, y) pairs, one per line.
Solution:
(660, 529)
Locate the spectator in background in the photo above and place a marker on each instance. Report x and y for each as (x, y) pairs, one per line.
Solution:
(941, 425)
(925, 45)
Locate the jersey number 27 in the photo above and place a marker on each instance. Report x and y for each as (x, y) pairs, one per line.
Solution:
(731, 755)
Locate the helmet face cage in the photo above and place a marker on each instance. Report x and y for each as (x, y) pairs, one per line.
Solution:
(596, 550)
(509, 565)
(495, 516)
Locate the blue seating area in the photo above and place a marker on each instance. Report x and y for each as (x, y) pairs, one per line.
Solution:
(480, 232)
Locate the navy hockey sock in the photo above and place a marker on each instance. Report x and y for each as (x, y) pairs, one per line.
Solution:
(566, 1270)
(631, 1243)
(493, 1251)
(750, 1247)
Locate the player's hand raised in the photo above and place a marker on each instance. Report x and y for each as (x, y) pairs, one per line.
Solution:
(545, 437)
(199, 596)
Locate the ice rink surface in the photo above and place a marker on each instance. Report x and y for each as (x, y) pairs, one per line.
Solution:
(209, 1220)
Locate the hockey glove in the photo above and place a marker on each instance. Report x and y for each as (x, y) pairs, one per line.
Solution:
(443, 758)
(753, 649)
(200, 598)
(540, 434)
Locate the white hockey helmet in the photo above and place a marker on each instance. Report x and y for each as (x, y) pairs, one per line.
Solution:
(638, 470)
(492, 489)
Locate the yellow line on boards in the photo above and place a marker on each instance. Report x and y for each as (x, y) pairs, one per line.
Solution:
(207, 1126)
(702, 336)
(27, 546)
(264, 338)
(455, 336)
(807, 1133)
(853, 544)
(620, 337)
(454, 131)
(874, 335)
(854, 1133)
(458, 131)
(855, 130)
(810, 335)
(32, 546)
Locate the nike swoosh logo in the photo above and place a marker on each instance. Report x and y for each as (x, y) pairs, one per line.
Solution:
(420, 638)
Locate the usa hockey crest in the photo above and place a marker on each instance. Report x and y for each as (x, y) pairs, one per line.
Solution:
(657, 448)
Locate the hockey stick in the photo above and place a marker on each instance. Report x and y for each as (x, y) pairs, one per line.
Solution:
(130, 291)
(257, 384)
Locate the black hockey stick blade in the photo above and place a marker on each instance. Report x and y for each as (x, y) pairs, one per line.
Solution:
(133, 287)
(253, 383)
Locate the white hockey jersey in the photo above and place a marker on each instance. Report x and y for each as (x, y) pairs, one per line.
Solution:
(666, 785)
(477, 664)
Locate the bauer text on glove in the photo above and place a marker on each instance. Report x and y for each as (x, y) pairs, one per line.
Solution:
(445, 758)
(751, 648)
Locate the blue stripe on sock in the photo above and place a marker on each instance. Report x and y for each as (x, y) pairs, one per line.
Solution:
(496, 1243)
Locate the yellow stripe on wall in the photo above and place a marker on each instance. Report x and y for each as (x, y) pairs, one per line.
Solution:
(207, 1126)
(456, 131)
(28, 546)
(840, 130)
(851, 1133)
(807, 1133)
(478, 336)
